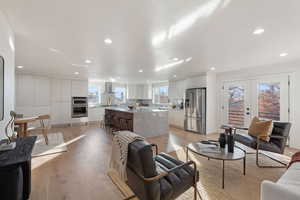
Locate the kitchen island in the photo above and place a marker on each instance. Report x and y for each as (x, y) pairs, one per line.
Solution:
(147, 122)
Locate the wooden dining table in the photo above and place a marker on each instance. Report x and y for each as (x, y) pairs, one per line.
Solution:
(23, 123)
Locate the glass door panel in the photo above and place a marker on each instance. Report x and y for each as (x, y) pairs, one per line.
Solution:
(272, 98)
(236, 104)
(269, 101)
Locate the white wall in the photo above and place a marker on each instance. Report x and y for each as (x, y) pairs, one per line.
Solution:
(7, 51)
(292, 68)
(211, 98)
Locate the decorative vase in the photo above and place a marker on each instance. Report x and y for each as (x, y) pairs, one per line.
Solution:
(222, 140)
(230, 143)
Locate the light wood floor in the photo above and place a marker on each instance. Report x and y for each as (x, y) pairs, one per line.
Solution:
(80, 173)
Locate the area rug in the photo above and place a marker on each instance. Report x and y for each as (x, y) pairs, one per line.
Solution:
(237, 186)
(56, 145)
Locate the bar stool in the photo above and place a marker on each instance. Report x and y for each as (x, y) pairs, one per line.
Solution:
(123, 124)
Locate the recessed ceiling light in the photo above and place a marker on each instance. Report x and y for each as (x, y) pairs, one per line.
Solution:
(175, 59)
(88, 61)
(20, 67)
(112, 79)
(212, 68)
(258, 31)
(76, 73)
(107, 41)
(175, 76)
(140, 70)
(283, 54)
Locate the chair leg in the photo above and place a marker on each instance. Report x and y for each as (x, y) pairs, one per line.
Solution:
(283, 165)
(195, 191)
(46, 137)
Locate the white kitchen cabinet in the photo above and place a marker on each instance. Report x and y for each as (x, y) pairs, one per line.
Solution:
(66, 90)
(196, 82)
(32, 91)
(79, 88)
(25, 90)
(60, 112)
(42, 91)
(172, 90)
(176, 90)
(176, 118)
(181, 87)
(131, 91)
(139, 91)
(60, 90)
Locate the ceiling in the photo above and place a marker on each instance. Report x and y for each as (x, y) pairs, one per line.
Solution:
(56, 37)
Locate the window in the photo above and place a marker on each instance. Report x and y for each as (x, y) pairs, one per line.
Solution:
(269, 101)
(120, 94)
(160, 94)
(236, 106)
(94, 95)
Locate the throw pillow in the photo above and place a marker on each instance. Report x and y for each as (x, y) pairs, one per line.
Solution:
(261, 129)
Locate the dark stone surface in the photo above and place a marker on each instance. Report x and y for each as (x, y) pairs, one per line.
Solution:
(20, 154)
(15, 170)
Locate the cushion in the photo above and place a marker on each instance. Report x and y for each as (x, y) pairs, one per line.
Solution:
(177, 182)
(261, 129)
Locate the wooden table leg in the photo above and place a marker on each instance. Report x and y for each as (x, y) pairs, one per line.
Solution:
(187, 154)
(25, 130)
(21, 130)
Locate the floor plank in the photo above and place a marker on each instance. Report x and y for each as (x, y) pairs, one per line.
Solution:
(81, 172)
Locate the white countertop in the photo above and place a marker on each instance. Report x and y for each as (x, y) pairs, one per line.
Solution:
(143, 109)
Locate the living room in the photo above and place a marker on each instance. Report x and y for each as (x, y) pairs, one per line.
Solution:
(149, 100)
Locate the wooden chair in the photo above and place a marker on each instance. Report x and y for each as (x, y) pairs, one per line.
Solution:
(17, 127)
(45, 125)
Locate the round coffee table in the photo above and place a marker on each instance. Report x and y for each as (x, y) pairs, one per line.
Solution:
(217, 154)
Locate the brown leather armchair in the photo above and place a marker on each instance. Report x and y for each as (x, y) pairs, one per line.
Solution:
(148, 183)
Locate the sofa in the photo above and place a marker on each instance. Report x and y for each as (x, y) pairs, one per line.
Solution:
(286, 188)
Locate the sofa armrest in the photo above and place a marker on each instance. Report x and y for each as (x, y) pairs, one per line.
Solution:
(274, 191)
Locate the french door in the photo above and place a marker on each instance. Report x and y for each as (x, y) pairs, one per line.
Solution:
(265, 97)
(236, 104)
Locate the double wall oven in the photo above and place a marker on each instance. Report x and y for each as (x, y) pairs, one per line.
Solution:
(79, 107)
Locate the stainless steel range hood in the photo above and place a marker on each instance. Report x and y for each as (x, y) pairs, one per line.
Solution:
(108, 96)
(108, 88)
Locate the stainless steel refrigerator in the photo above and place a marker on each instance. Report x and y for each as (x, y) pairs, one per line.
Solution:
(195, 110)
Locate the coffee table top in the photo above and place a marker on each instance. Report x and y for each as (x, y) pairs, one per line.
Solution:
(219, 154)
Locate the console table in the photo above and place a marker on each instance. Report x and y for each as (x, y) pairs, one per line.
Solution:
(15, 170)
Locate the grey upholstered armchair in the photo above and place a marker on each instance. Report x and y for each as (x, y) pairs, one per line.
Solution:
(174, 177)
(276, 144)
